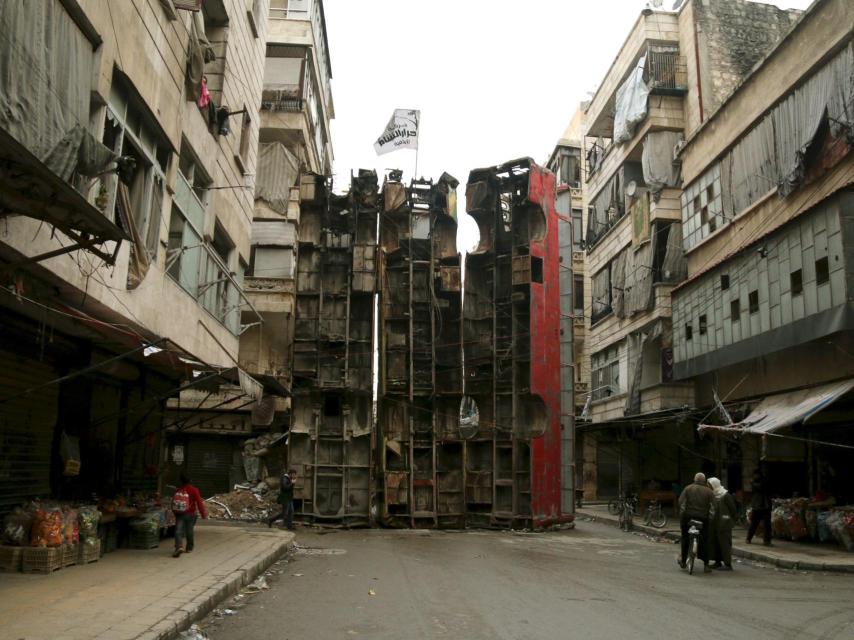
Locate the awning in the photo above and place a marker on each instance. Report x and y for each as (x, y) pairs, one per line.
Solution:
(29, 188)
(786, 409)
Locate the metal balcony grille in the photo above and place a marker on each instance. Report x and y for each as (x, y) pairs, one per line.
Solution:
(666, 71)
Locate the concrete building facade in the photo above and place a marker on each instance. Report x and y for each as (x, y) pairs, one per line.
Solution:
(674, 69)
(139, 146)
(762, 322)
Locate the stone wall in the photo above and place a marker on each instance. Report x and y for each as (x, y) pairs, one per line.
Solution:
(733, 36)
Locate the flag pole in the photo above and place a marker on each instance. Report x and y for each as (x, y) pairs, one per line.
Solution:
(418, 129)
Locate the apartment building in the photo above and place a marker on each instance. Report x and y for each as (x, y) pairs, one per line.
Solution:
(129, 142)
(673, 70)
(762, 325)
(294, 153)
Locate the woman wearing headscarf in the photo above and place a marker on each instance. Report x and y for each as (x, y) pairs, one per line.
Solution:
(724, 519)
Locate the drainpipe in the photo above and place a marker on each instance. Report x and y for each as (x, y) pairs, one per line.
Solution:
(697, 61)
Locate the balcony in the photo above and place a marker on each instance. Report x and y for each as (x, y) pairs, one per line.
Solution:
(288, 98)
(666, 72)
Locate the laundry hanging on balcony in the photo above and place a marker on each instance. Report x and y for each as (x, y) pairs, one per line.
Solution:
(659, 170)
(631, 103)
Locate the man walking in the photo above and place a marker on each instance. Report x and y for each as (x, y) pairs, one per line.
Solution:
(286, 499)
(696, 502)
(186, 502)
(760, 509)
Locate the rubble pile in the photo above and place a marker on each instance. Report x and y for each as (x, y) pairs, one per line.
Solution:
(246, 504)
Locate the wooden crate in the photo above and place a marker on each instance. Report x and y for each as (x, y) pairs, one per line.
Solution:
(87, 553)
(69, 555)
(41, 559)
(10, 558)
(139, 539)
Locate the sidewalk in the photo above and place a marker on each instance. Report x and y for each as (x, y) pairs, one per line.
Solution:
(138, 594)
(784, 554)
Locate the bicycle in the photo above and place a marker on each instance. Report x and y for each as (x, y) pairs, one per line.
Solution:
(694, 543)
(654, 515)
(615, 506)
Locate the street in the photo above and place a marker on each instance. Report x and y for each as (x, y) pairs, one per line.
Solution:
(591, 582)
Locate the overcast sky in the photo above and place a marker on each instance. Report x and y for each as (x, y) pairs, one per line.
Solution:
(494, 79)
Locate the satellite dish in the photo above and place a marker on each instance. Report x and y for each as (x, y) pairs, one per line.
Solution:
(631, 189)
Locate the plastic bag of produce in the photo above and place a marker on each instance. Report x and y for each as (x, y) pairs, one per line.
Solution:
(779, 526)
(148, 523)
(824, 532)
(846, 530)
(47, 528)
(70, 527)
(795, 524)
(87, 520)
(17, 526)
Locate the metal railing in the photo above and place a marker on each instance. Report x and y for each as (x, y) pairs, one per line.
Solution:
(666, 71)
(283, 98)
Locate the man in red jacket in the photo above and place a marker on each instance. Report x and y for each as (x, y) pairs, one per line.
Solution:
(185, 503)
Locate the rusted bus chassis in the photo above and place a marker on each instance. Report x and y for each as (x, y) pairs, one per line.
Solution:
(511, 344)
(467, 422)
(331, 439)
(420, 451)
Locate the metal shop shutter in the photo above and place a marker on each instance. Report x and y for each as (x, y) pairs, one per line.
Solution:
(209, 461)
(26, 429)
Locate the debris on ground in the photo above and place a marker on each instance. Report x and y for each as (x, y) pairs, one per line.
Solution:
(193, 633)
(258, 585)
(248, 505)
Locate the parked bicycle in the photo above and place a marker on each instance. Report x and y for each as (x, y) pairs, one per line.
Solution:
(654, 515)
(615, 506)
(695, 526)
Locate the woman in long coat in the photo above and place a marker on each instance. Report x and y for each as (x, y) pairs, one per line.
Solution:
(726, 511)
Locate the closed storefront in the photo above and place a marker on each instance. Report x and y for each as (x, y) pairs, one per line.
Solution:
(26, 429)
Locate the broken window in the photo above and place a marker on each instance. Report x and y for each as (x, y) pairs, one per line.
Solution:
(735, 310)
(135, 193)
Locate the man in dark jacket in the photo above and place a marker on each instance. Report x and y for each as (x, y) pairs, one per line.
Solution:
(696, 502)
(286, 499)
(760, 509)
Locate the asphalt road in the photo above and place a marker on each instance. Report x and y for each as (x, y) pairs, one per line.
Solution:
(591, 582)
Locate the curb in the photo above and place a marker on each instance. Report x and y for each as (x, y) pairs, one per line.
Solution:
(171, 627)
(782, 563)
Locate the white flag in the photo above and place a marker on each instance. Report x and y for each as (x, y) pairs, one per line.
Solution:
(401, 132)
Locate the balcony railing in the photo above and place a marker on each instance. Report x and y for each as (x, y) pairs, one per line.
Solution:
(283, 98)
(666, 72)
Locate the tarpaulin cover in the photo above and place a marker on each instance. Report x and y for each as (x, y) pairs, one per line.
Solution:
(278, 171)
(786, 409)
(773, 153)
(659, 171)
(45, 80)
(631, 103)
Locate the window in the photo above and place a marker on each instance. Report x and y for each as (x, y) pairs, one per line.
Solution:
(242, 158)
(796, 282)
(601, 294)
(216, 31)
(703, 325)
(569, 169)
(724, 282)
(702, 208)
(135, 193)
(689, 331)
(735, 310)
(822, 271)
(605, 375)
(577, 231)
(183, 252)
(536, 269)
(578, 295)
(753, 301)
(284, 77)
